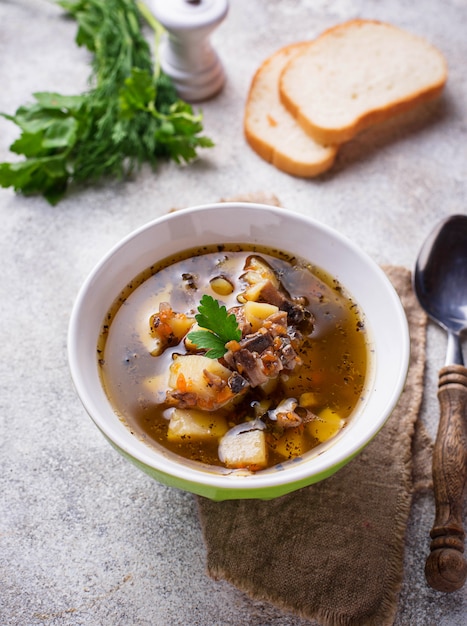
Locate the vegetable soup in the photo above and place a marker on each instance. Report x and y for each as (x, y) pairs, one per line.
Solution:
(236, 356)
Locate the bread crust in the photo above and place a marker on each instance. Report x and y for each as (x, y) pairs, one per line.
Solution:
(273, 149)
(340, 134)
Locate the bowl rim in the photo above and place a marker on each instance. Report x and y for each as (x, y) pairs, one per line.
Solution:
(161, 462)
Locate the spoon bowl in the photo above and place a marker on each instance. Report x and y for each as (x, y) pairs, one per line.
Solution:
(440, 283)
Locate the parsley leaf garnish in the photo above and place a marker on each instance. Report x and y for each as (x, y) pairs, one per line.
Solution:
(218, 327)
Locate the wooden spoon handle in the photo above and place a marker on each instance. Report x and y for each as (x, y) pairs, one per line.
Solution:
(446, 567)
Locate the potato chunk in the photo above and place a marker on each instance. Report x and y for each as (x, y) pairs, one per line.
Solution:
(168, 328)
(253, 292)
(196, 425)
(221, 285)
(244, 445)
(327, 424)
(258, 269)
(201, 381)
(291, 444)
(258, 274)
(257, 312)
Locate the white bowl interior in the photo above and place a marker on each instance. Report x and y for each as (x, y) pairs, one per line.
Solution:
(244, 223)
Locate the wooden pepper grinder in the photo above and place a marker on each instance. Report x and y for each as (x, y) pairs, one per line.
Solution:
(186, 54)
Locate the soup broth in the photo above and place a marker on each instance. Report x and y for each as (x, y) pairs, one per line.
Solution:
(287, 383)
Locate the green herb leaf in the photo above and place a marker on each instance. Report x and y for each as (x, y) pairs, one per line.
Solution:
(218, 327)
(61, 134)
(138, 91)
(215, 317)
(51, 100)
(214, 345)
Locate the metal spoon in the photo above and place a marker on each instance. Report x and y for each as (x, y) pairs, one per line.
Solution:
(440, 282)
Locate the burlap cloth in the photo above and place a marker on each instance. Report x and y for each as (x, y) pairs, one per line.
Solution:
(333, 551)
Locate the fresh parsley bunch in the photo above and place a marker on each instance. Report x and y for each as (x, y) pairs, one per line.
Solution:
(130, 115)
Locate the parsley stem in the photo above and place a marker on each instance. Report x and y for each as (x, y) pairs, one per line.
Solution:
(158, 32)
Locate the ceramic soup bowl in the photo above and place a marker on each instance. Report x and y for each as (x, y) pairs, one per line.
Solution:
(244, 223)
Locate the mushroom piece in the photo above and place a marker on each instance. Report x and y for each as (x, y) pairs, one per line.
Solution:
(288, 414)
(261, 356)
(296, 313)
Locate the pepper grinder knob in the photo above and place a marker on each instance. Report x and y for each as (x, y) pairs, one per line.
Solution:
(187, 55)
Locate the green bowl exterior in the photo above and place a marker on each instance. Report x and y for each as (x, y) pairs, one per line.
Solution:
(219, 494)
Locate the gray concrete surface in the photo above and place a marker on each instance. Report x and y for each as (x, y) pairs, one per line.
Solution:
(84, 537)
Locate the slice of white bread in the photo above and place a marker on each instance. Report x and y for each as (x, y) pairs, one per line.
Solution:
(357, 74)
(272, 131)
